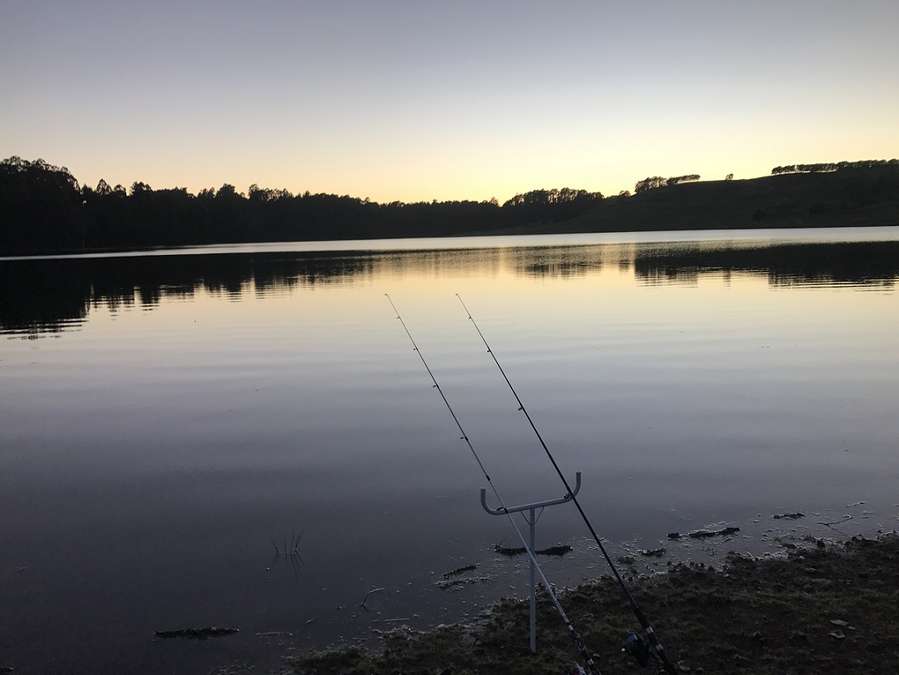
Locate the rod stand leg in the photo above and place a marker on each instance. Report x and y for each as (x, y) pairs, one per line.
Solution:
(531, 517)
(533, 613)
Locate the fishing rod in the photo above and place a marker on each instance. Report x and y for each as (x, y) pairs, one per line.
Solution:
(633, 644)
(575, 636)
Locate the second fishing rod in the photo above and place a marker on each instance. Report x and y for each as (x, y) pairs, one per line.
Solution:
(590, 668)
(633, 644)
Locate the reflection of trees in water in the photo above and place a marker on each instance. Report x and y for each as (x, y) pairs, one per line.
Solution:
(43, 296)
(40, 297)
(559, 261)
(483, 262)
(857, 263)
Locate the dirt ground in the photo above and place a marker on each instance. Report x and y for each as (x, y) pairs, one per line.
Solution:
(823, 609)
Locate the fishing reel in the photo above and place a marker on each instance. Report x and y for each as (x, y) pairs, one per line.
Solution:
(638, 648)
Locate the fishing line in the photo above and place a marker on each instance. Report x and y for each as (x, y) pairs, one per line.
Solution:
(579, 643)
(658, 650)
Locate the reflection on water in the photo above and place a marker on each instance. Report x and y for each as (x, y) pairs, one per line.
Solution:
(46, 296)
(195, 412)
(873, 264)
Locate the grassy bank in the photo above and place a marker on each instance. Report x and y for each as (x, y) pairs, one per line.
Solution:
(823, 609)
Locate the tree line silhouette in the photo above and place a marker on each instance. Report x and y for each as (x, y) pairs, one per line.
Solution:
(43, 208)
(833, 166)
(655, 182)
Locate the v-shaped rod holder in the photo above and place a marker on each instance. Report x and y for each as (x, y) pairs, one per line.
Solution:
(532, 521)
(535, 505)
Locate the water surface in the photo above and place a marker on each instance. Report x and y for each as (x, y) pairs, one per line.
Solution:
(165, 416)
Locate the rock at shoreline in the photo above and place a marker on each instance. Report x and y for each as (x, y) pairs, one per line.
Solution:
(652, 552)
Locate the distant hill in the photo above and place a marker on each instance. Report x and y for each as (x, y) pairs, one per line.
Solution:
(44, 209)
(846, 198)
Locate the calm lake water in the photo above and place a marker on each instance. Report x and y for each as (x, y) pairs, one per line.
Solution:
(165, 416)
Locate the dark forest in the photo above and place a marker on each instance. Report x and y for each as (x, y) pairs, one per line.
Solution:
(44, 209)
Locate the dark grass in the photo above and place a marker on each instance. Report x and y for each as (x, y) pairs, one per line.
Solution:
(754, 616)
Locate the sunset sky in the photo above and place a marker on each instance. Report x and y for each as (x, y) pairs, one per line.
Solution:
(446, 100)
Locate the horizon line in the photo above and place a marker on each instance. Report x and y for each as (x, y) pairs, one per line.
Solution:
(301, 193)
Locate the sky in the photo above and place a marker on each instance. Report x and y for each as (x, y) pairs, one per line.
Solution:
(425, 100)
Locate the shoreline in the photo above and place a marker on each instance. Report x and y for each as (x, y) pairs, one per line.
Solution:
(376, 244)
(819, 608)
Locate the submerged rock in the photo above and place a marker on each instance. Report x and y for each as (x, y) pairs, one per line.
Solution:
(274, 634)
(452, 583)
(560, 549)
(704, 534)
(509, 550)
(196, 633)
(460, 570)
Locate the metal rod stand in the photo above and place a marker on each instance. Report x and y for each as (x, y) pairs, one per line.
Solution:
(532, 518)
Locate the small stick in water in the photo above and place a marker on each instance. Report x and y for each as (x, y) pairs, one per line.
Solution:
(370, 592)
